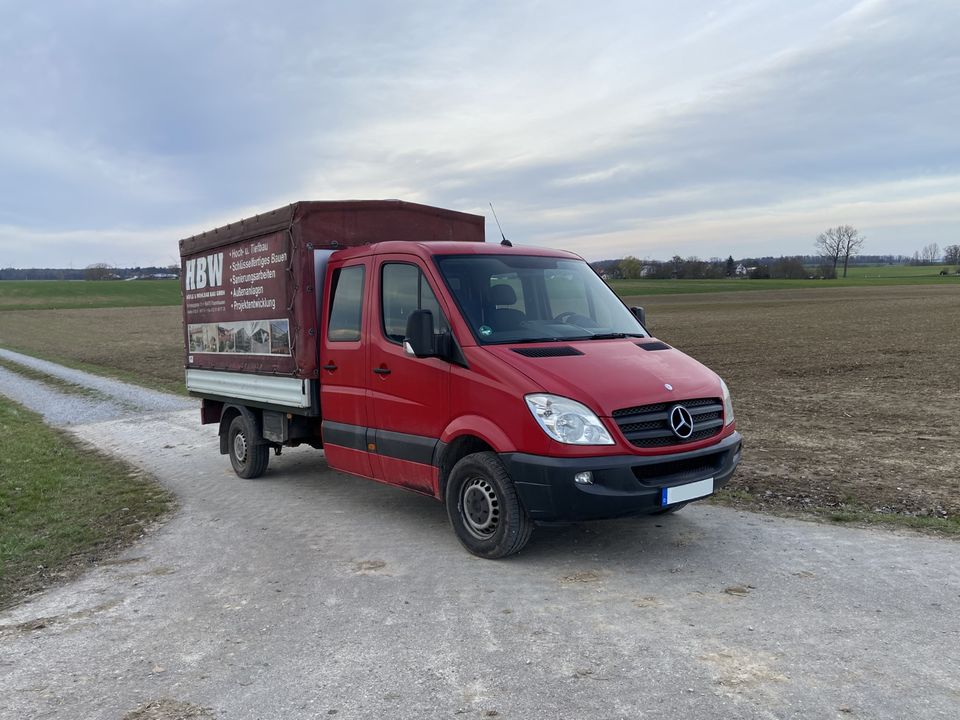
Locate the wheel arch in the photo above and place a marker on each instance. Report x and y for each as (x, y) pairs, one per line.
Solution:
(226, 417)
(453, 451)
(465, 435)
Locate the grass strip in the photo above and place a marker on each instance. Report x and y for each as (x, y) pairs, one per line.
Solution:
(64, 386)
(63, 505)
(71, 294)
(143, 379)
(646, 287)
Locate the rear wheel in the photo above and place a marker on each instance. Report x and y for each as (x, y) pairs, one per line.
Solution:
(249, 460)
(484, 509)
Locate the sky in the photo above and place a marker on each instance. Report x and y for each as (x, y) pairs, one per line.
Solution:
(614, 128)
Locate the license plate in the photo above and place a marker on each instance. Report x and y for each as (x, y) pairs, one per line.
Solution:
(682, 493)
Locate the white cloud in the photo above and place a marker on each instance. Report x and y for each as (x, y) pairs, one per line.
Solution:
(582, 123)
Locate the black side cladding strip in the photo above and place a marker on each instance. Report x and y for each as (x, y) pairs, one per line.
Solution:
(412, 448)
(348, 436)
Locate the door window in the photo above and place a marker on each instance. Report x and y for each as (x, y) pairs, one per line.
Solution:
(405, 289)
(346, 304)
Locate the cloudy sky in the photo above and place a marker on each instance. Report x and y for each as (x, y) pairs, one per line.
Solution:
(608, 128)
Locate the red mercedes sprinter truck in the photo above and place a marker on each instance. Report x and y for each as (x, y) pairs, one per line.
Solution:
(510, 383)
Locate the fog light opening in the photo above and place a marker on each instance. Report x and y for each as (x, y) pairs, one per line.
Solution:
(583, 478)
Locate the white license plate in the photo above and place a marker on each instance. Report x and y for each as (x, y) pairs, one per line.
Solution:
(682, 493)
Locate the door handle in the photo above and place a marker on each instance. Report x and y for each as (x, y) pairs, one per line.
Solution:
(330, 366)
(382, 371)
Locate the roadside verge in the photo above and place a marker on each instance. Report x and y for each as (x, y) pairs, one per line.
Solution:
(63, 504)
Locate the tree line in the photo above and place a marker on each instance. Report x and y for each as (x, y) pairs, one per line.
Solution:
(837, 249)
(96, 271)
(694, 268)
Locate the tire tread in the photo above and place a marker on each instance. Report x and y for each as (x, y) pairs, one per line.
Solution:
(515, 516)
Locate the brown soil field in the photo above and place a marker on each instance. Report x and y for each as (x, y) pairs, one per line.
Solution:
(848, 398)
(142, 344)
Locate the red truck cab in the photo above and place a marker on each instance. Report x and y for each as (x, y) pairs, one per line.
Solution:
(511, 383)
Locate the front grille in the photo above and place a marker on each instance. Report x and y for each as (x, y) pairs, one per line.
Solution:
(648, 426)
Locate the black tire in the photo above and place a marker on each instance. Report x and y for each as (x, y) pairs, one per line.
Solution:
(249, 460)
(670, 510)
(484, 509)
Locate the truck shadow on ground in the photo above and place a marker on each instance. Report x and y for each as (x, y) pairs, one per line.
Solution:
(304, 478)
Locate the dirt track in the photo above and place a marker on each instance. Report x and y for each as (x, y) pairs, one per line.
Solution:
(308, 594)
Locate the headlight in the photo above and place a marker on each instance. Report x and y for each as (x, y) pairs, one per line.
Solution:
(567, 421)
(727, 404)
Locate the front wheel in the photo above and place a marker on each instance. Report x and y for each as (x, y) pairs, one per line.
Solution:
(249, 460)
(484, 509)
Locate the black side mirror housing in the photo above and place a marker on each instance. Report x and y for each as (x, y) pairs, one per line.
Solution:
(419, 340)
(640, 315)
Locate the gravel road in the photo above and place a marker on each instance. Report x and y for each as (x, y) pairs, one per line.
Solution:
(307, 594)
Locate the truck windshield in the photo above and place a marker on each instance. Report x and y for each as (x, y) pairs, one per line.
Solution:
(528, 298)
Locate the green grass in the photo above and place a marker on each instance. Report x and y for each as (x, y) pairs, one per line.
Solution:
(62, 505)
(627, 288)
(59, 383)
(882, 272)
(142, 378)
(63, 294)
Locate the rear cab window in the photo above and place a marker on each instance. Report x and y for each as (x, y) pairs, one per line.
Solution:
(346, 304)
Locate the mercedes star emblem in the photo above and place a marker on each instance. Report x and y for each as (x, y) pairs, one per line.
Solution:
(681, 422)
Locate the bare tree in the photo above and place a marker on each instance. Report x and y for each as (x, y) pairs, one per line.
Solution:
(951, 254)
(929, 253)
(852, 244)
(98, 271)
(843, 241)
(830, 247)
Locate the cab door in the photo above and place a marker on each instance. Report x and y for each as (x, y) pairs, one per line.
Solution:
(345, 368)
(409, 396)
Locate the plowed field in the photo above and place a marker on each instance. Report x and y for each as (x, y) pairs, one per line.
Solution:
(848, 398)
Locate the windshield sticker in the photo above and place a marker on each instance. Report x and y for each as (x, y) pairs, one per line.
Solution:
(486, 330)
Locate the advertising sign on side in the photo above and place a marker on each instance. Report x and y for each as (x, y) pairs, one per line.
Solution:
(235, 304)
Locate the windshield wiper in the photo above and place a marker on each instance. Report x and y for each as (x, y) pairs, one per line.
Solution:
(528, 340)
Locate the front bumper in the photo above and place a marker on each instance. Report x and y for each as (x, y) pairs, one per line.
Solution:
(622, 484)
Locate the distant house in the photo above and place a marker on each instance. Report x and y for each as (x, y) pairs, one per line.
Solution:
(647, 271)
(741, 270)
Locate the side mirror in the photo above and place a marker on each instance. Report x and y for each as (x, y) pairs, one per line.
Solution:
(419, 340)
(640, 315)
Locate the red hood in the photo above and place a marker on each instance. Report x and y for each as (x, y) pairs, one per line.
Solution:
(614, 374)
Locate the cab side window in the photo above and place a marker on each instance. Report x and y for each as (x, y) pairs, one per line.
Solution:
(403, 290)
(346, 304)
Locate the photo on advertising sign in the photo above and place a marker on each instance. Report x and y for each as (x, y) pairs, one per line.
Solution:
(246, 337)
